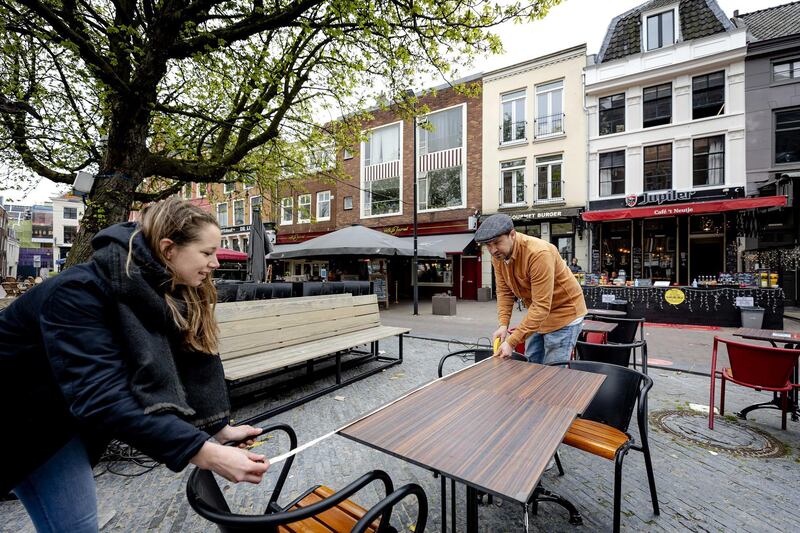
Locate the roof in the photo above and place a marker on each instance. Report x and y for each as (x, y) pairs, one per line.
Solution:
(772, 22)
(453, 243)
(698, 18)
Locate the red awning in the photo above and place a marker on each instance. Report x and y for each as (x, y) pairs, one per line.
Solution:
(694, 208)
(223, 254)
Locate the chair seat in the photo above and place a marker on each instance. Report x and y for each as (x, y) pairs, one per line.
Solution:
(595, 438)
(727, 373)
(341, 518)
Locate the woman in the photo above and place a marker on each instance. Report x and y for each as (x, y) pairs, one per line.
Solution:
(122, 347)
(574, 266)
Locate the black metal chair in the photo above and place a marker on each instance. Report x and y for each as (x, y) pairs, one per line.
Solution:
(615, 354)
(625, 332)
(317, 508)
(603, 428)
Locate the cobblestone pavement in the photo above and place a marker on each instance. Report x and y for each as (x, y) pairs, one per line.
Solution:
(699, 490)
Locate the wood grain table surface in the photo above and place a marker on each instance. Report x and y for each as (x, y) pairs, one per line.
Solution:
(608, 312)
(771, 335)
(595, 326)
(493, 426)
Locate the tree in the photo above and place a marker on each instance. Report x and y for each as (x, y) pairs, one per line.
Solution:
(142, 92)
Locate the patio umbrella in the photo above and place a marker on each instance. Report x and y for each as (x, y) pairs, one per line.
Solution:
(355, 240)
(259, 247)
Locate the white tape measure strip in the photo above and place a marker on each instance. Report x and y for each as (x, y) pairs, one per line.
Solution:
(295, 451)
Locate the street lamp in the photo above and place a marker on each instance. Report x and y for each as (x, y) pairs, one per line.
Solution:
(415, 262)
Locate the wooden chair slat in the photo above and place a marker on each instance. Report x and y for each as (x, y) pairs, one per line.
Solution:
(595, 438)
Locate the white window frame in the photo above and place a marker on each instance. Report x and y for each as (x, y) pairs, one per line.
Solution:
(515, 185)
(362, 158)
(330, 198)
(300, 205)
(463, 178)
(244, 213)
(226, 190)
(676, 26)
(344, 203)
(323, 158)
(251, 206)
(187, 191)
(284, 205)
(226, 214)
(202, 190)
(514, 118)
(549, 164)
(538, 112)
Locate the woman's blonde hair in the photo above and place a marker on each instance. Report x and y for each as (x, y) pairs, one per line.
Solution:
(181, 222)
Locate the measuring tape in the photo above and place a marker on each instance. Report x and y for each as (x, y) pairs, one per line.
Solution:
(496, 345)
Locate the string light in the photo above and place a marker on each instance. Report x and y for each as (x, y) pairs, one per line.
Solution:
(706, 300)
(785, 258)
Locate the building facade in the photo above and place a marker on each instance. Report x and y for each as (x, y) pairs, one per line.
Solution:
(4, 234)
(534, 150)
(665, 100)
(67, 214)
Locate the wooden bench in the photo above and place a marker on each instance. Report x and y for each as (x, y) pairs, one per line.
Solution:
(263, 337)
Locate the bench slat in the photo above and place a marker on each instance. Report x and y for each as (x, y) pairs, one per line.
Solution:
(235, 311)
(262, 324)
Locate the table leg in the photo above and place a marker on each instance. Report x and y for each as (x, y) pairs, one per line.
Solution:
(775, 403)
(472, 510)
(543, 495)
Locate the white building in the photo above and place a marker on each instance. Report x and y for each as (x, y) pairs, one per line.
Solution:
(12, 251)
(67, 213)
(665, 106)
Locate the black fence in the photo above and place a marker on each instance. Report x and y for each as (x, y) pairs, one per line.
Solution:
(238, 291)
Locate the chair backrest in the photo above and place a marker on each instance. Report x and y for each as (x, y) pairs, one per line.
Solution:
(761, 365)
(476, 354)
(615, 354)
(595, 337)
(625, 332)
(615, 400)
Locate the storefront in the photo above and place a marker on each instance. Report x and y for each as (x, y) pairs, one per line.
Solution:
(664, 237)
(562, 227)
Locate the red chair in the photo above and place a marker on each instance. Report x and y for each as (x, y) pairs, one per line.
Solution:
(756, 367)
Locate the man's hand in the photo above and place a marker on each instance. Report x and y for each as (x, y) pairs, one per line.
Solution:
(244, 435)
(500, 333)
(504, 351)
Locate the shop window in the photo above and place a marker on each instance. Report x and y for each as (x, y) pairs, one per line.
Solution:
(534, 230)
(513, 117)
(548, 186)
(658, 167)
(238, 212)
(708, 95)
(287, 211)
(435, 272)
(787, 136)
(659, 243)
(612, 173)
(304, 208)
(512, 179)
(706, 224)
(550, 109)
(222, 215)
(612, 114)
(657, 105)
(382, 197)
(708, 166)
(616, 249)
(323, 205)
(786, 70)
(660, 30)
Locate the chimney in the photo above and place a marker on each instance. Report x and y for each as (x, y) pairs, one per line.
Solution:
(735, 13)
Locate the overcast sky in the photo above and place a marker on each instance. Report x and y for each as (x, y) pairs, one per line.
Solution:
(571, 23)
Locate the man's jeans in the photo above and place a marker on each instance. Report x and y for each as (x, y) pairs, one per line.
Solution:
(555, 346)
(60, 495)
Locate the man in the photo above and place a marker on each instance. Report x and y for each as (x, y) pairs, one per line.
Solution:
(532, 269)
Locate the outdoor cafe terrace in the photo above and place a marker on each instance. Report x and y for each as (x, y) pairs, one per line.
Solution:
(742, 476)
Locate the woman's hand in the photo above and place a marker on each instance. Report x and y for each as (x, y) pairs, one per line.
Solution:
(244, 435)
(231, 463)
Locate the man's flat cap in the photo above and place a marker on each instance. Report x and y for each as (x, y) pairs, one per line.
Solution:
(493, 227)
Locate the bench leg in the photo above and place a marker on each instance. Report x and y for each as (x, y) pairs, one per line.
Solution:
(310, 367)
(339, 368)
(401, 347)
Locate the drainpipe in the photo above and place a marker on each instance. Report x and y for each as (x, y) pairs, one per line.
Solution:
(587, 229)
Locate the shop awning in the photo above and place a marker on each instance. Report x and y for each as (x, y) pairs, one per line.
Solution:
(449, 244)
(224, 254)
(694, 208)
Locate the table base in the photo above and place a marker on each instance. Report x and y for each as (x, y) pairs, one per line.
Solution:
(775, 403)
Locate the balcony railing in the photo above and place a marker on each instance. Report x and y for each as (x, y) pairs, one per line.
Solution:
(513, 197)
(549, 125)
(513, 132)
(551, 192)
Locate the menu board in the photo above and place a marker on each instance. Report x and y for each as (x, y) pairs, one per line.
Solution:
(730, 257)
(595, 266)
(379, 288)
(637, 263)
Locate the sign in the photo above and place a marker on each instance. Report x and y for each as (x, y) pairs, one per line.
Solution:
(744, 301)
(552, 213)
(695, 208)
(609, 298)
(659, 198)
(379, 288)
(674, 296)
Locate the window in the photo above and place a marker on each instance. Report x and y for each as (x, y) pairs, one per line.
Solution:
(786, 70)
(323, 205)
(787, 136)
(255, 203)
(201, 190)
(347, 154)
(347, 203)
(612, 173)
(549, 109)
(658, 167)
(222, 215)
(235, 244)
(660, 30)
(245, 245)
(439, 182)
(229, 188)
(71, 213)
(708, 95)
(70, 233)
(513, 117)
(708, 166)
(238, 212)
(383, 145)
(187, 191)
(287, 207)
(322, 158)
(303, 208)
(512, 178)
(657, 105)
(612, 114)
(382, 197)
(548, 179)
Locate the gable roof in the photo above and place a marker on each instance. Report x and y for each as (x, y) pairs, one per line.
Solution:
(772, 22)
(698, 18)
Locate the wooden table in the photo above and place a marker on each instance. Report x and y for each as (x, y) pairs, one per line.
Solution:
(595, 326)
(493, 426)
(608, 312)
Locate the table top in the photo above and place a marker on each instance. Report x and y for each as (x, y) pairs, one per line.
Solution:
(608, 312)
(595, 326)
(493, 426)
(768, 335)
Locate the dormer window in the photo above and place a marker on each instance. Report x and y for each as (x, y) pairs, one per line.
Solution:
(660, 30)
